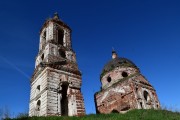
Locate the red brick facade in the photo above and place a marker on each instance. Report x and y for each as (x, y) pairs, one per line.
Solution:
(124, 88)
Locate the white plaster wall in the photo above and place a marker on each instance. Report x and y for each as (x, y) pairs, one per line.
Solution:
(72, 106)
(42, 81)
(53, 99)
(143, 99)
(50, 31)
(55, 51)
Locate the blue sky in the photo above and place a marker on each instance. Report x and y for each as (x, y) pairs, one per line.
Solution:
(144, 31)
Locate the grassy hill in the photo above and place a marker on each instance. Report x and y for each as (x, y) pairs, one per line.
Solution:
(131, 115)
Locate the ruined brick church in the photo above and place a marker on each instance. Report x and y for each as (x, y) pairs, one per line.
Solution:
(56, 81)
(124, 88)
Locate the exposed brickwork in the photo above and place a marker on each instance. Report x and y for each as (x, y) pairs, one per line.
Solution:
(124, 88)
(56, 82)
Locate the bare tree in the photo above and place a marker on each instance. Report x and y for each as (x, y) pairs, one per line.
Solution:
(6, 113)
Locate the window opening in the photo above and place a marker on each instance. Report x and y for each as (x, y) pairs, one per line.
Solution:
(60, 36)
(109, 79)
(62, 53)
(37, 89)
(146, 95)
(38, 105)
(124, 74)
(42, 56)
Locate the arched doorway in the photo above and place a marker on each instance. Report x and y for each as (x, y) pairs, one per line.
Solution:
(64, 100)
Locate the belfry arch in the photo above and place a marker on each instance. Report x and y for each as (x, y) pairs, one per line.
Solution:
(60, 36)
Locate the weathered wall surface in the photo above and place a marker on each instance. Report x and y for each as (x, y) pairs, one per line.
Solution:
(56, 82)
(50, 81)
(116, 75)
(127, 94)
(124, 88)
(38, 94)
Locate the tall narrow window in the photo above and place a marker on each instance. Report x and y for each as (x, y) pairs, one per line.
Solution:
(146, 96)
(44, 35)
(38, 90)
(60, 36)
(109, 79)
(124, 74)
(64, 100)
(38, 105)
(42, 56)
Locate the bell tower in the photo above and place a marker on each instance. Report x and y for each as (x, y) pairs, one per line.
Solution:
(56, 81)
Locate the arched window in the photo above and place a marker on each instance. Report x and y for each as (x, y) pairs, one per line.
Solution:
(38, 105)
(146, 96)
(60, 36)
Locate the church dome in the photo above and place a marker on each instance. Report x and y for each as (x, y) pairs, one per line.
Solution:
(117, 62)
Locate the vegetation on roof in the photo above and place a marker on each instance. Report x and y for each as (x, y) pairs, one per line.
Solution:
(118, 62)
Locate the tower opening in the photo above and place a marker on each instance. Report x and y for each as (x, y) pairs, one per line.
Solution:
(62, 53)
(38, 90)
(60, 36)
(64, 100)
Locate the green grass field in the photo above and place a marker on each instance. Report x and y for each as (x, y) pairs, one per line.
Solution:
(131, 115)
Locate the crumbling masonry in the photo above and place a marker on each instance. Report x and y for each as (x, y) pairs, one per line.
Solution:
(124, 88)
(56, 82)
